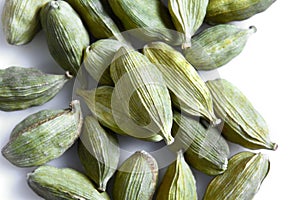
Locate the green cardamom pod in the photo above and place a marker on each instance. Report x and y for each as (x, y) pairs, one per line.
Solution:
(246, 172)
(56, 184)
(20, 20)
(188, 91)
(206, 149)
(218, 45)
(43, 136)
(66, 35)
(178, 182)
(223, 11)
(136, 178)
(98, 152)
(21, 88)
(188, 16)
(142, 94)
(242, 122)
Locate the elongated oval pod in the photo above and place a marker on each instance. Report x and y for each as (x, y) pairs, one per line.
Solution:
(43, 136)
(218, 45)
(246, 172)
(242, 122)
(21, 88)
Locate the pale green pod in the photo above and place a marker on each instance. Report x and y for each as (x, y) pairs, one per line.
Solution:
(223, 11)
(189, 92)
(43, 136)
(20, 20)
(99, 152)
(142, 94)
(242, 122)
(178, 182)
(216, 46)
(21, 88)
(99, 103)
(188, 16)
(150, 19)
(63, 184)
(206, 149)
(99, 23)
(136, 178)
(242, 180)
(66, 35)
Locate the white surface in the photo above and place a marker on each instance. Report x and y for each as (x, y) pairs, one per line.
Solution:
(267, 71)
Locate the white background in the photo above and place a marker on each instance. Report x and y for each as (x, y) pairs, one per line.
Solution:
(267, 72)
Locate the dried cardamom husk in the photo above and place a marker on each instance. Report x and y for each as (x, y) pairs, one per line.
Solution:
(20, 20)
(218, 45)
(66, 35)
(55, 184)
(188, 91)
(242, 122)
(99, 152)
(136, 178)
(178, 182)
(188, 16)
(43, 136)
(140, 91)
(246, 172)
(21, 88)
(223, 11)
(206, 149)
(99, 102)
(97, 20)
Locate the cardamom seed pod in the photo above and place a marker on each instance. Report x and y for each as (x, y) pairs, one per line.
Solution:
(206, 149)
(43, 136)
(143, 94)
(246, 172)
(188, 91)
(98, 152)
(188, 16)
(178, 182)
(66, 35)
(20, 20)
(218, 45)
(136, 178)
(223, 11)
(242, 123)
(54, 184)
(21, 88)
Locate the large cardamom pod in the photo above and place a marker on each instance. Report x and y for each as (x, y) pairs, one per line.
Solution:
(218, 45)
(21, 88)
(142, 93)
(223, 11)
(43, 136)
(150, 19)
(55, 184)
(20, 20)
(178, 182)
(242, 123)
(189, 92)
(98, 21)
(66, 35)
(188, 16)
(136, 178)
(206, 149)
(98, 152)
(246, 172)
(99, 103)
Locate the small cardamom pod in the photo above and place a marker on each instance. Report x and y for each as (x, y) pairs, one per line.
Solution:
(55, 184)
(43, 136)
(246, 172)
(136, 178)
(98, 152)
